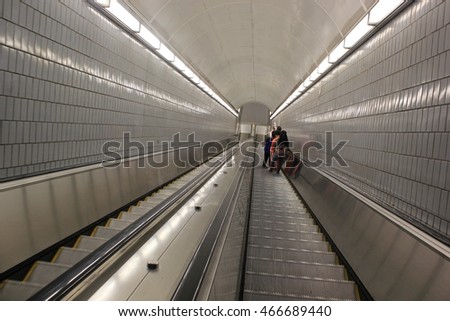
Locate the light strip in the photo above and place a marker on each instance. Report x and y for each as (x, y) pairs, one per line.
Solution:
(123, 15)
(324, 66)
(314, 75)
(166, 53)
(103, 3)
(119, 12)
(376, 15)
(383, 9)
(149, 37)
(337, 53)
(179, 64)
(358, 32)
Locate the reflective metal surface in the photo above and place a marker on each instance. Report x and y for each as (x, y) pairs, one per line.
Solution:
(394, 260)
(172, 246)
(40, 211)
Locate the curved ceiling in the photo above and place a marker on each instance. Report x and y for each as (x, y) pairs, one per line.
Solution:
(252, 50)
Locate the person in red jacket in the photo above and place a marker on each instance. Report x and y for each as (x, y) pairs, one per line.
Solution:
(273, 155)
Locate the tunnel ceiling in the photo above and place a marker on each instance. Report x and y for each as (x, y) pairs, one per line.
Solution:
(252, 50)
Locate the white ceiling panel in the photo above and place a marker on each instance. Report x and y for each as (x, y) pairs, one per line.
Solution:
(252, 50)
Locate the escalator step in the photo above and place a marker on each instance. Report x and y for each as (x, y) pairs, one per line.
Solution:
(267, 209)
(118, 223)
(89, 243)
(291, 255)
(70, 256)
(299, 287)
(129, 216)
(45, 272)
(289, 243)
(11, 290)
(105, 232)
(286, 234)
(286, 268)
(140, 209)
(301, 218)
(285, 226)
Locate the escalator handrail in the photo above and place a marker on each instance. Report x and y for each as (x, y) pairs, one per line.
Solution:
(189, 285)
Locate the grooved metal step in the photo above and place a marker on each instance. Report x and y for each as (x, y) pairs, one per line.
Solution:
(105, 232)
(89, 243)
(129, 216)
(45, 272)
(118, 223)
(70, 256)
(287, 268)
(285, 243)
(288, 226)
(293, 255)
(11, 290)
(287, 234)
(284, 218)
(301, 287)
(288, 257)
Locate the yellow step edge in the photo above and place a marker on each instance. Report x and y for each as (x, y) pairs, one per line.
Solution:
(358, 298)
(77, 242)
(25, 279)
(58, 253)
(94, 231)
(108, 222)
(121, 214)
(346, 274)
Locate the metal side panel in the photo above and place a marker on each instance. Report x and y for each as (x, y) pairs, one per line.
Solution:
(394, 260)
(170, 247)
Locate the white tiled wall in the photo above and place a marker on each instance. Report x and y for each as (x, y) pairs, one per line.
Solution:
(70, 81)
(390, 100)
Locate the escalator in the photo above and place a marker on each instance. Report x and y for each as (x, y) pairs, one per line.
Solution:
(43, 272)
(288, 257)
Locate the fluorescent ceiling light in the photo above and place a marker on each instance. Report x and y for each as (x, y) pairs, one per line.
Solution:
(195, 79)
(337, 53)
(279, 110)
(301, 88)
(295, 94)
(383, 9)
(166, 53)
(103, 3)
(361, 29)
(179, 64)
(122, 14)
(188, 72)
(324, 66)
(149, 37)
(314, 75)
(307, 82)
